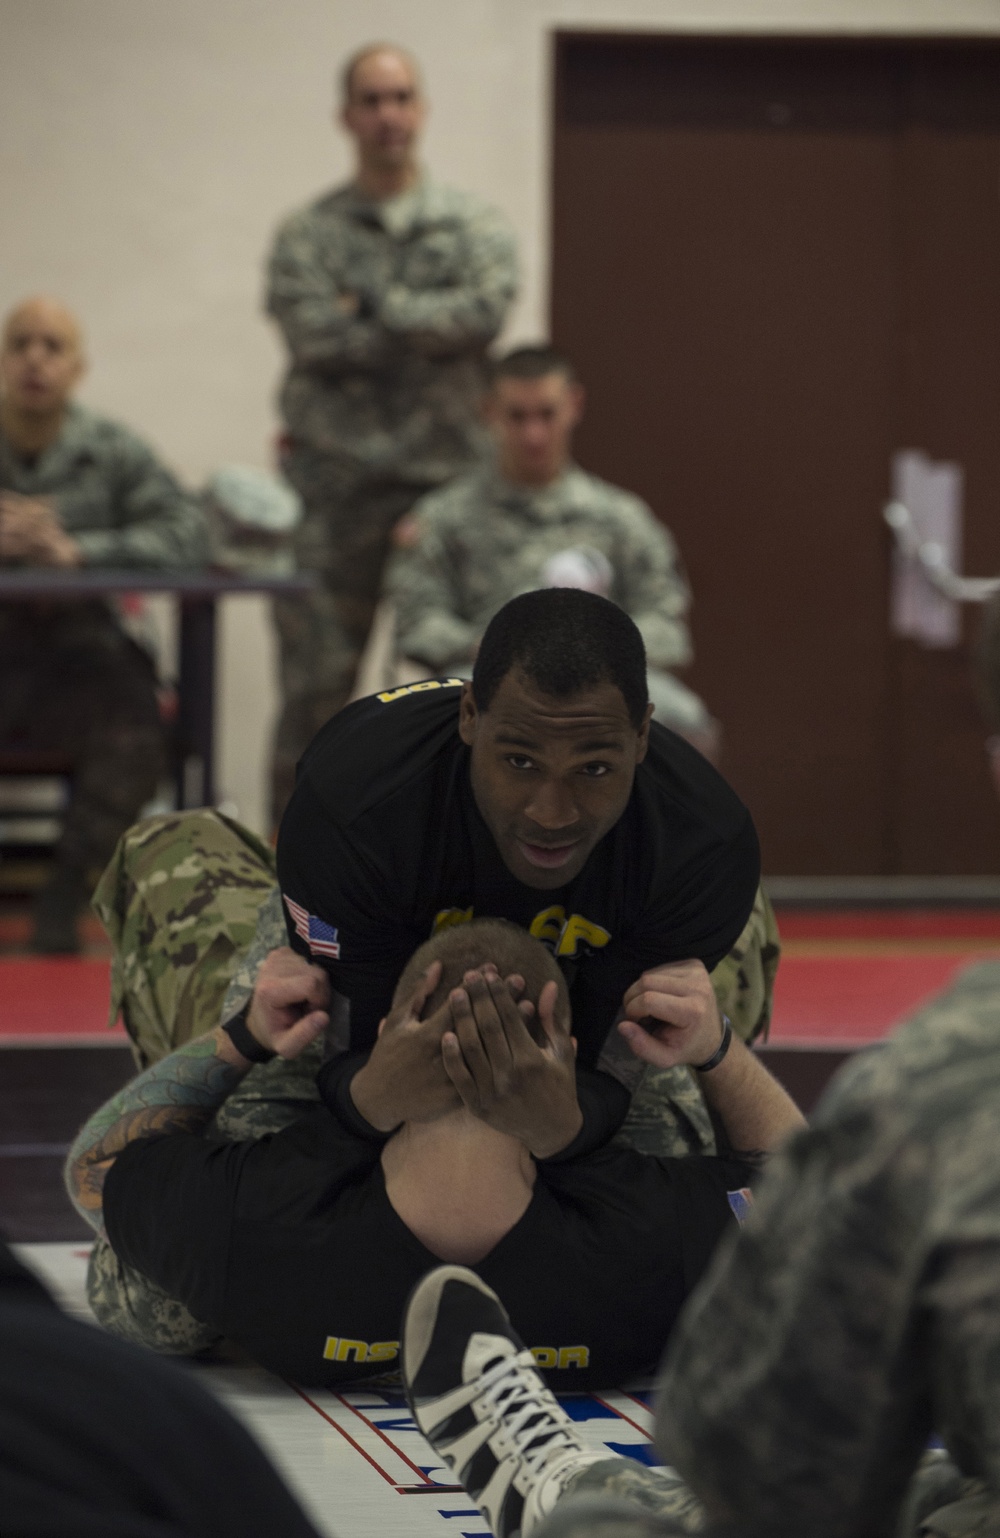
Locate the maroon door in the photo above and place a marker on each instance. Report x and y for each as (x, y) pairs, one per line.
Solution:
(776, 263)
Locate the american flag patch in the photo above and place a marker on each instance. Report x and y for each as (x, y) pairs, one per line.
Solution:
(740, 1202)
(320, 936)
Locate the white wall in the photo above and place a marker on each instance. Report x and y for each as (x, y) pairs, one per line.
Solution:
(147, 148)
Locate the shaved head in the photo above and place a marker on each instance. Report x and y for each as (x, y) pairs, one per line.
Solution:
(383, 110)
(41, 310)
(41, 357)
(396, 58)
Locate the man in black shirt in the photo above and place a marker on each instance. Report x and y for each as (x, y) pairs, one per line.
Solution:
(303, 1246)
(541, 793)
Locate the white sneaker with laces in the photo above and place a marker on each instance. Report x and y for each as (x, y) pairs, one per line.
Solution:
(480, 1401)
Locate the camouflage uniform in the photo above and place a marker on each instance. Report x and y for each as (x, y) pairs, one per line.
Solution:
(71, 682)
(481, 541)
(191, 907)
(859, 1310)
(190, 904)
(387, 309)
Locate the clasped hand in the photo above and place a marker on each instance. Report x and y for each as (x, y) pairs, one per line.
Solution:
(671, 1016)
(30, 530)
(290, 1002)
(475, 1050)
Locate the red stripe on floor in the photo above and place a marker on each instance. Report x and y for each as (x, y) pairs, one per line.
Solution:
(889, 923)
(854, 999)
(844, 998)
(58, 996)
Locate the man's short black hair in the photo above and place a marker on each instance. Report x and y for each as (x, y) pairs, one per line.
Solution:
(565, 641)
(532, 363)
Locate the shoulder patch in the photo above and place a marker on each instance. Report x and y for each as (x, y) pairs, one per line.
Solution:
(740, 1203)
(320, 936)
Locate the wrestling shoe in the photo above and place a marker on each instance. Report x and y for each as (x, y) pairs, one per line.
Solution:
(479, 1400)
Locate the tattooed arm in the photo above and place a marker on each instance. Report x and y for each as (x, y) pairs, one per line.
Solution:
(183, 1091)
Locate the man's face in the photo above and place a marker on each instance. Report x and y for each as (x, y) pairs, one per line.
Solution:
(532, 422)
(385, 111)
(41, 357)
(550, 776)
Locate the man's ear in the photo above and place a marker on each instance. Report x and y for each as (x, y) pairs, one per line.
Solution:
(381, 1024)
(578, 400)
(642, 746)
(468, 716)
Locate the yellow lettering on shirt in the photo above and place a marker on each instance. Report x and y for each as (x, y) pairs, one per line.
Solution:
(565, 935)
(389, 695)
(547, 926)
(578, 930)
(449, 917)
(383, 1350)
(562, 1357)
(340, 1349)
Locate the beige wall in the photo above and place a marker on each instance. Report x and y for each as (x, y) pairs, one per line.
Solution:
(147, 148)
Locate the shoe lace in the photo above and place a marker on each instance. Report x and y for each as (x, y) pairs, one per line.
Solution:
(518, 1402)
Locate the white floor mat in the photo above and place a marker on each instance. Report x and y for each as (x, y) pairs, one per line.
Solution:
(356, 1460)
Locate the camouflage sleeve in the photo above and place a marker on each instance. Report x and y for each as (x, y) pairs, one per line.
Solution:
(806, 1323)
(270, 935)
(470, 312)
(304, 299)
(157, 524)
(423, 585)
(744, 980)
(654, 591)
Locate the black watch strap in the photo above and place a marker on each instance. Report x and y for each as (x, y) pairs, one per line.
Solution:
(244, 1040)
(723, 1048)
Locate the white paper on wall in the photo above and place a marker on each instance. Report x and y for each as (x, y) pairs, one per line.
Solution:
(933, 494)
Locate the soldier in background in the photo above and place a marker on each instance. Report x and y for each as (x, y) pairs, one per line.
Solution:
(531, 518)
(388, 291)
(77, 490)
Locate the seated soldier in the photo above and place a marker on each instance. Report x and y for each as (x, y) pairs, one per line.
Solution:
(303, 1246)
(77, 490)
(534, 519)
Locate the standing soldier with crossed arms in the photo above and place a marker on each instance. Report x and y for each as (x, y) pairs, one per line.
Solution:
(388, 292)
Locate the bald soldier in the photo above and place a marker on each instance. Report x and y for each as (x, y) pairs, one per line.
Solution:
(388, 291)
(77, 490)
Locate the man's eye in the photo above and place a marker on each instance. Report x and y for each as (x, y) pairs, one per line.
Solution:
(595, 771)
(520, 761)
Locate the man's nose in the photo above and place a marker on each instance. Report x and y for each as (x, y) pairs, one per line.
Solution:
(552, 806)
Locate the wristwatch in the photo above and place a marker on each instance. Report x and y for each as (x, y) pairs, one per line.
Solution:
(719, 1054)
(244, 1040)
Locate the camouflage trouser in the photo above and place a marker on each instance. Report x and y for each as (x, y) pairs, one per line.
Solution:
(73, 684)
(190, 904)
(344, 538)
(619, 1498)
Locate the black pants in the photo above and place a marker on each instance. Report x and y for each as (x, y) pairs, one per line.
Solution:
(72, 683)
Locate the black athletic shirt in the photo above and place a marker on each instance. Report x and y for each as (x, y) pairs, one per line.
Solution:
(382, 843)
(291, 1247)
